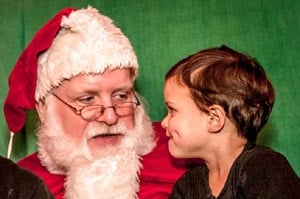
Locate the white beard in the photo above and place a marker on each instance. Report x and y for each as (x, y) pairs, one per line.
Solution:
(110, 172)
(107, 178)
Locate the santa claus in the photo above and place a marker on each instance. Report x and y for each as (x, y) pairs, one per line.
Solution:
(95, 139)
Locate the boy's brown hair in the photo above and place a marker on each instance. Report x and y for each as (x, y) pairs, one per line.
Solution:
(233, 80)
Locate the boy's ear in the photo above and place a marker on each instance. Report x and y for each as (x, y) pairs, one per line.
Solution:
(40, 109)
(216, 118)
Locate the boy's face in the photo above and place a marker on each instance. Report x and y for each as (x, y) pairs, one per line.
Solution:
(185, 124)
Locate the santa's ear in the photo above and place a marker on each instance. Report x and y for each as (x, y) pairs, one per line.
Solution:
(216, 118)
(41, 110)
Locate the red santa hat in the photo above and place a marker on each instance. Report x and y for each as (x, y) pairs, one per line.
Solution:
(73, 42)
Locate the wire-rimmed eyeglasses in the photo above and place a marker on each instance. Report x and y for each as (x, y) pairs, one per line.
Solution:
(92, 112)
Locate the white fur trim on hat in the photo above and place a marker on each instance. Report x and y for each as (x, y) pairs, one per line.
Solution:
(87, 42)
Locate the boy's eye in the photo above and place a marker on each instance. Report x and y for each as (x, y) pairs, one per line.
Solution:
(171, 109)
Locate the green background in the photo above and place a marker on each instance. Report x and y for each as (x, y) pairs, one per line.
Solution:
(165, 31)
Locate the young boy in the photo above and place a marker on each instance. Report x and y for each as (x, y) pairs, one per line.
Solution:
(218, 100)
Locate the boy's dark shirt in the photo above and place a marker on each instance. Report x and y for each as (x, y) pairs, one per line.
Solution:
(259, 172)
(18, 183)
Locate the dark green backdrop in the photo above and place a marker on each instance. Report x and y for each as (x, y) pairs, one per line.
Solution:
(164, 31)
